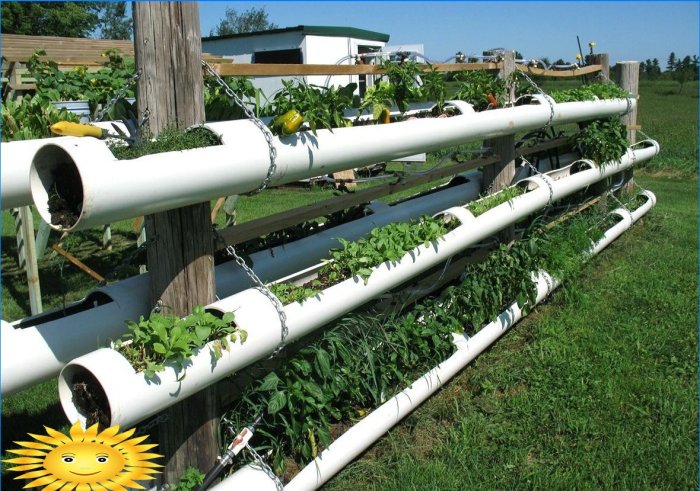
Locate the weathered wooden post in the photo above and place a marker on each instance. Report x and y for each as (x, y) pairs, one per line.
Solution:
(628, 79)
(602, 59)
(168, 50)
(27, 256)
(499, 175)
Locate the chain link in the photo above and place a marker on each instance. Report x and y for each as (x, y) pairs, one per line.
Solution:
(265, 468)
(538, 89)
(529, 165)
(262, 288)
(120, 93)
(256, 121)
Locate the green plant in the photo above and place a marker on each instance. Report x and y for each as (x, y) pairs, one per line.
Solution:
(403, 77)
(219, 106)
(603, 140)
(475, 85)
(162, 339)
(589, 93)
(491, 201)
(434, 87)
(31, 118)
(171, 139)
(97, 87)
(377, 97)
(191, 479)
(321, 107)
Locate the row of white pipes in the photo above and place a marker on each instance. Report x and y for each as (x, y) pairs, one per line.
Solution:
(130, 397)
(376, 424)
(111, 190)
(48, 341)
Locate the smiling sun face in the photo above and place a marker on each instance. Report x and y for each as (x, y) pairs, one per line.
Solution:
(85, 460)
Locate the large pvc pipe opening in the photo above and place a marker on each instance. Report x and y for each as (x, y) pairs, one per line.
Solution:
(57, 186)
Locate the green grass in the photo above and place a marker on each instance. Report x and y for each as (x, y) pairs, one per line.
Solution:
(596, 389)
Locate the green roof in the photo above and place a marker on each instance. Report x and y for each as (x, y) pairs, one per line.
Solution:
(332, 31)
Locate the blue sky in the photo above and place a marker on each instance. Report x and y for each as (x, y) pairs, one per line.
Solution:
(625, 30)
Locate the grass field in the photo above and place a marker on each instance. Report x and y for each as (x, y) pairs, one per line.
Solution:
(596, 389)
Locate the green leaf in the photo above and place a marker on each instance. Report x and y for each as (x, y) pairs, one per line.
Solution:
(270, 382)
(276, 402)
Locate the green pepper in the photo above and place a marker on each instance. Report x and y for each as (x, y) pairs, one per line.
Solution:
(288, 123)
(293, 124)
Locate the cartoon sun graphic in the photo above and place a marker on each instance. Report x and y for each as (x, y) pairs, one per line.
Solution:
(85, 460)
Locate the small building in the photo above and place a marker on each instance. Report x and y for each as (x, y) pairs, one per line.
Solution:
(329, 45)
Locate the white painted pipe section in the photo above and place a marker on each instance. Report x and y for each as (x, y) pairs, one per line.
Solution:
(16, 160)
(131, 397)
(47, 342)
(109, 190)
(357, 439)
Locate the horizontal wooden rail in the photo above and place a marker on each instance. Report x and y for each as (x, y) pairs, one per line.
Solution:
(281, 70)
(262, 226)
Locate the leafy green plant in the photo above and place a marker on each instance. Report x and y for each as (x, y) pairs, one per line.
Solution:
(434, 88)
(589, 93)
(403, 77)
(491, 201)
(289, 292)
(362, 361)
(219, 106)
(377, 97)
(321, 107)
(603, 140)
(161, 339)
(191, 479)
(475, 85)
(31, 118)
(97, 87)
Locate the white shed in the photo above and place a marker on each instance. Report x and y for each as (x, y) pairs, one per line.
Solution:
(301, 44)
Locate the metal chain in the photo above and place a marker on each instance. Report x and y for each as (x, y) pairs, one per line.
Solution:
(547, 98)
(537, 172)
(265, 468)
(154, 422)
(262, 288)
(120, 93)
(256, 121)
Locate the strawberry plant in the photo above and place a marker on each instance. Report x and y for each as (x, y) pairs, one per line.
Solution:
(161, 339)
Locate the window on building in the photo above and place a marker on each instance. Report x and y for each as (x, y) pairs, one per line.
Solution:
(290, 56)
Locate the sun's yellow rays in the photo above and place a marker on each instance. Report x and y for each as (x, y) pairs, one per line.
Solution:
(85, 460)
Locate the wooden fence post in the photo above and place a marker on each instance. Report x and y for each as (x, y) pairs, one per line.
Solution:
(26, 251)
(628, 79)
(168, 49)
(602, 59)
(499, 175)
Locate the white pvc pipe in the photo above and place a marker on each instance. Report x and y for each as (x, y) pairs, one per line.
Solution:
(109, 190)
(48, 341)
(375, 425)
(16, 160)
(131, 397)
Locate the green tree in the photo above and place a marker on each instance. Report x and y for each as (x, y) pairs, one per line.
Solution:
(114, 23)
(251, 20)
(671, 63)
(68, 19)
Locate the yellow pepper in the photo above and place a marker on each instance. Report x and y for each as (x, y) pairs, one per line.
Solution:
(288, 123)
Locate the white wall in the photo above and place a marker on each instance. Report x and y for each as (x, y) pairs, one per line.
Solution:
(315, 50)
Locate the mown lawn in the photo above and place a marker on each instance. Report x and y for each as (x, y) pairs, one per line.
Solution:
(596, 389)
